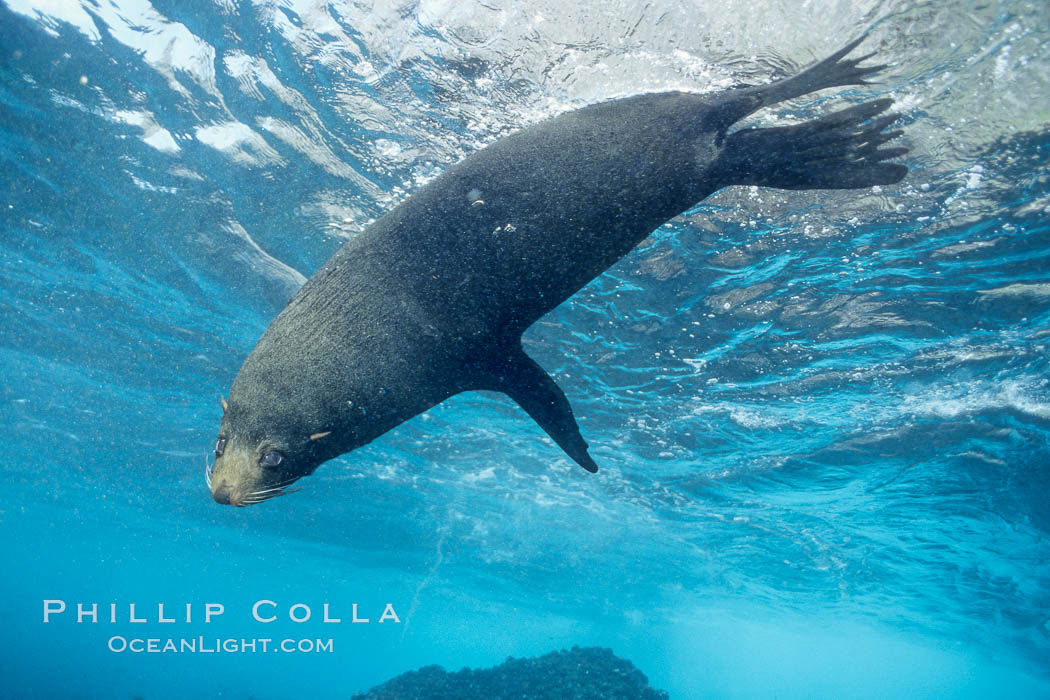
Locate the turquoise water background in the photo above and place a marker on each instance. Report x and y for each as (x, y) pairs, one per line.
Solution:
(822, 418)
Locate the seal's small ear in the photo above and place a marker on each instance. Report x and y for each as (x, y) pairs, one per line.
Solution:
(225, 406)
(318, 436)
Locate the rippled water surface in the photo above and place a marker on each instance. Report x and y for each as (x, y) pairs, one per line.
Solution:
(822, 417)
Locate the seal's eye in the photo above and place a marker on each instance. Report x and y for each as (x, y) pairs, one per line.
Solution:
(220, 446)
(271, 459)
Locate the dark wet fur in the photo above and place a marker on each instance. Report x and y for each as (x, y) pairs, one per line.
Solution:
(432, 299)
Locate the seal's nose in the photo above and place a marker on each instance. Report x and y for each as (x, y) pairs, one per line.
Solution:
(221, 495)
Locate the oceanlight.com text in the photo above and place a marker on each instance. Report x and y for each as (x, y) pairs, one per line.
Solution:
(217, 645)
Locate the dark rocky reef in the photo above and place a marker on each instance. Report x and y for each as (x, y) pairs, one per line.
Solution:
(590, 673)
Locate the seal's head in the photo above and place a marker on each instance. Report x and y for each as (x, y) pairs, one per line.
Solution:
(251, 467)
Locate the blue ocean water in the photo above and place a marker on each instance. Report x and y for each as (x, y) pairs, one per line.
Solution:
(822, 418)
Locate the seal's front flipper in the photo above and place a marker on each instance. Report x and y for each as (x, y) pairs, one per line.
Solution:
(535, 391)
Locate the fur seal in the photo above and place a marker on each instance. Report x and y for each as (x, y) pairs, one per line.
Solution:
(432, 299)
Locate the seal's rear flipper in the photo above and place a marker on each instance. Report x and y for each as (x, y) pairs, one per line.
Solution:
(833, 71)
(838, 151)
(535, 391)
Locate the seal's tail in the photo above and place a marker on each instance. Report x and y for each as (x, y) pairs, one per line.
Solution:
(842, 150)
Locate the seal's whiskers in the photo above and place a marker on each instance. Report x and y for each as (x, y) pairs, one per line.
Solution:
(260, 495)
(265, 495)
(275, 487)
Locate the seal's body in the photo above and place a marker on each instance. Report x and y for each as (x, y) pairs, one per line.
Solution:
(433, 298)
